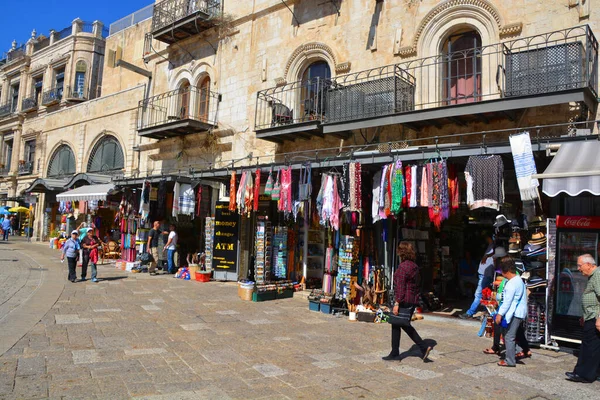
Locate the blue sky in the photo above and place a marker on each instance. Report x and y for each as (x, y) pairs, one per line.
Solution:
(19, 17)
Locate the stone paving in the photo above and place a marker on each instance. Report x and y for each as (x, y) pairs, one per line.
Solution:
(138, 336)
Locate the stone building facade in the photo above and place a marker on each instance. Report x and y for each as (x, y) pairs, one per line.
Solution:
(269, 48)
(203, 84)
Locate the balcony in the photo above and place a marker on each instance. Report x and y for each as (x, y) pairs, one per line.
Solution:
(52, 97)
(14, 54)
(6, 109)
(498, 81)
(175, 20)
(76, 94)
(29, 104)
(4, 171)
(25, 168)
(178, 112)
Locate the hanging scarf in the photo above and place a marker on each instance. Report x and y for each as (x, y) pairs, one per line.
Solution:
(357, 187)
(397, 188)
(256, 190)
(232, 193)
(439, 206)
(269, 184)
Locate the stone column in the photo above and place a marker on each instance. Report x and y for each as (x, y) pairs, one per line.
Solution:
(97, 28)
(16, 152)
(76, 26)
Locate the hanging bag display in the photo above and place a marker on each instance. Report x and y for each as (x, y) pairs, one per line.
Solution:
(276, 192)
(269, 184)
(305, 186)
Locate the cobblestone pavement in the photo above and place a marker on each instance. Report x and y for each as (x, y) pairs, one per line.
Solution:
(134, 335)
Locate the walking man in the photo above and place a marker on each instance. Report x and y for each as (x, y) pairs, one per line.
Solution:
(90, 244)
(152, 246)
(513, 310)
(589, 353)
(5, 228)
(170, 248)
(71, 251)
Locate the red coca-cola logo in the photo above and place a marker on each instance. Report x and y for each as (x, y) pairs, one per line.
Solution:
(578, 222)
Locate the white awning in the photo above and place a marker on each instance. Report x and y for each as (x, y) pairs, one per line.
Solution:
(575, 169)
(87, 193)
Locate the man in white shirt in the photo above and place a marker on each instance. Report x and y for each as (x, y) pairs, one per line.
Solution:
(513, 309)
(170, 248)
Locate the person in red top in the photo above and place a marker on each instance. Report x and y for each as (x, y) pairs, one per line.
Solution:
(406, 293)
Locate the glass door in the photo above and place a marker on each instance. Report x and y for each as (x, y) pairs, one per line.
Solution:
(570, 283)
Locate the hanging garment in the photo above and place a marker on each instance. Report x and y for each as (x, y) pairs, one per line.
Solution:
(382, 192)
(285, 200)
(176, 192)
(239, 196)
(144, 209)
(425, 185)
(276, 192)
(345, 186)
(413, 182)
(327, 208)
(487, 174)
(248, 193)
(375, 200)
(82, 207)
(232, 193)
(336, 206)
(305, 183)
(256, 190)
(186, 200)
(357, 187)
(439, 209)
(522, 152)
(269, 184)
(408, 185)
(352, 187)
(319, 200)
(388, 191)
(199, 201)
(453, 189)
(397, 188)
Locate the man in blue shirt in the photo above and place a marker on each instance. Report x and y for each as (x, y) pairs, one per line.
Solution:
(5, 228)
(71, 251)
(513, 309)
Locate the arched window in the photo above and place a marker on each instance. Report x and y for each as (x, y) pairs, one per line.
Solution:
(80, 70)
(106, 156)
(184, 100)
(462, 68)
(204, 100)
(315, 79)
(62, 162)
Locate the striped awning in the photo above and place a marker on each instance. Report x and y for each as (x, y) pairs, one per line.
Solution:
(575, 169)
(87, 193)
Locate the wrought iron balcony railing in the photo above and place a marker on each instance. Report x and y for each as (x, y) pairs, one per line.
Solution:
(4, 171)
(185, 104)
(553, 62)
(6, 109)
(76, 93)
(29, 103)
(52, 96)
(26, 168)
(169, 12)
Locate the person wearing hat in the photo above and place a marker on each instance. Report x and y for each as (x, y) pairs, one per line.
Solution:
(589, 354)
(486, 274)
(71, 250)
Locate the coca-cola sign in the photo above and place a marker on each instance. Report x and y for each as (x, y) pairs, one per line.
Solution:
(578, 222)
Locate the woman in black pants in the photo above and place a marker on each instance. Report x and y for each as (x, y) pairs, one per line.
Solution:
(406, 293)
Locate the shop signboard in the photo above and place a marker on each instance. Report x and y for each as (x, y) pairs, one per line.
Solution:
(577, 222)
(226, 239)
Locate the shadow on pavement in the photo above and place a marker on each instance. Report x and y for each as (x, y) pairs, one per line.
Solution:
(414, 351)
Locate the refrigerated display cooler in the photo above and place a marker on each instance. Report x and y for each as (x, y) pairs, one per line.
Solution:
(574, 236)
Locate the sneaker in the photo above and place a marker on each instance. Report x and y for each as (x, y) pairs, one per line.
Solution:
(465, 316)
(391, 357)
(94, 280)
(153, 273)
